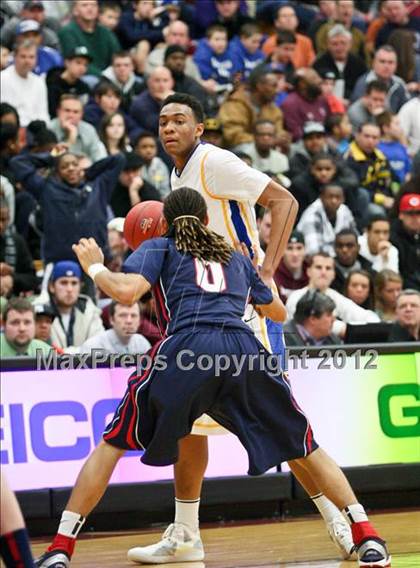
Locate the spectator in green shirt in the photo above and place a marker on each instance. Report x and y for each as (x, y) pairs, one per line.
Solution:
(18, 338)
(84, 30)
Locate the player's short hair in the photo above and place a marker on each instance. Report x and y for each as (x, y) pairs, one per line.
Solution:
(185, 211)
(189, 101)
(313, 303)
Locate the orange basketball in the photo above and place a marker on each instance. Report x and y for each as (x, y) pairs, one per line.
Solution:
(143, 222)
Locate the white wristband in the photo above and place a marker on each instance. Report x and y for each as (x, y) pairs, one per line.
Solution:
(95, 269)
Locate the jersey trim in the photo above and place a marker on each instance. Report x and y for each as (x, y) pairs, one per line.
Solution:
(179, 174)
(221, 199)
(239, 225)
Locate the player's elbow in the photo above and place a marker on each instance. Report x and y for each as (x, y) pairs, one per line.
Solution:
(276, 311)
(127, 294)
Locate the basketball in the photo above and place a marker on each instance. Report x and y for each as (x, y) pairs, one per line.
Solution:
(143, 222)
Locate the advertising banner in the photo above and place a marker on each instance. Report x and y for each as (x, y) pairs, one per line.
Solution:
(363, 410)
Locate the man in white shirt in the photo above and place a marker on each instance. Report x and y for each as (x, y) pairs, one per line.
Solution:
(321, 273)
(23, 89)
(122, 338)
(376, 247)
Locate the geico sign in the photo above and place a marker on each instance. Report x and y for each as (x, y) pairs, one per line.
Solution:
(13, 416)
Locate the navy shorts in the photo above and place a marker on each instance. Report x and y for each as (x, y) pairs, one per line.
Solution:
(253, 401)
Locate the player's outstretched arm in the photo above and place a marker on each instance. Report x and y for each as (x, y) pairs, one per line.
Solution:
(124, 288)
(284, 208)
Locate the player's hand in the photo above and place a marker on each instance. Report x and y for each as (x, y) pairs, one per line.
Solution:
(243, 249)
(88, 252)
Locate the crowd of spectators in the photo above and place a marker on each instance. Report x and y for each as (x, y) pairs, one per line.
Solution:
(323, 96)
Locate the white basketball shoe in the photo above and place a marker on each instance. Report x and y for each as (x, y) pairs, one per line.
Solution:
(340, 533)
(178, 544)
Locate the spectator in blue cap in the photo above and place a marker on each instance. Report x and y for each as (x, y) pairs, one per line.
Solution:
(77, 318)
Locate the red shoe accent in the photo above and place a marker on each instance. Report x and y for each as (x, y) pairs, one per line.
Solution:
(363, 531)
(62, 542)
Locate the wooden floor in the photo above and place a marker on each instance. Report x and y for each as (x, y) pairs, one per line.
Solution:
(281, 544)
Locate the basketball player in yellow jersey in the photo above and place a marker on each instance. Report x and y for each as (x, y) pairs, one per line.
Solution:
(231, 189)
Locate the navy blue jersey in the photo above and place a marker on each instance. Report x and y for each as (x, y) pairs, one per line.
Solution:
(190, 293)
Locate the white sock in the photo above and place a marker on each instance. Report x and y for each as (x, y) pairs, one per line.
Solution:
(186, 512)
(355, 513)
(70, 524)
(326, 507)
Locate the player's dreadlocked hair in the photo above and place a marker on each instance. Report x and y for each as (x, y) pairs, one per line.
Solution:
(185, 211)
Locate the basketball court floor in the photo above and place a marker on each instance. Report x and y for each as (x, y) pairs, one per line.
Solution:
(278, 544)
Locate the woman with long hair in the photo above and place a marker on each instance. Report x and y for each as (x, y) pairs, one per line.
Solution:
(359, 287)
(113, 133)
(388, 285)
(202, 287)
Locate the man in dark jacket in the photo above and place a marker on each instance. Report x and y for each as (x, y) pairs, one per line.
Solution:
(405, 235)
(346, 66)
(348, 258)
(17, 273)
(74, 203)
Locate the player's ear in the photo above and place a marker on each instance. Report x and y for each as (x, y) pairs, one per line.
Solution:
(199, 129)
(206, 219)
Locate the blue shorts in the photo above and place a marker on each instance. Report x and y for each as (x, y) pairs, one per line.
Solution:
(253, 400)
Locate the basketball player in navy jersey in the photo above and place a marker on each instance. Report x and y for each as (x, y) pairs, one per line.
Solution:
(202, 287)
